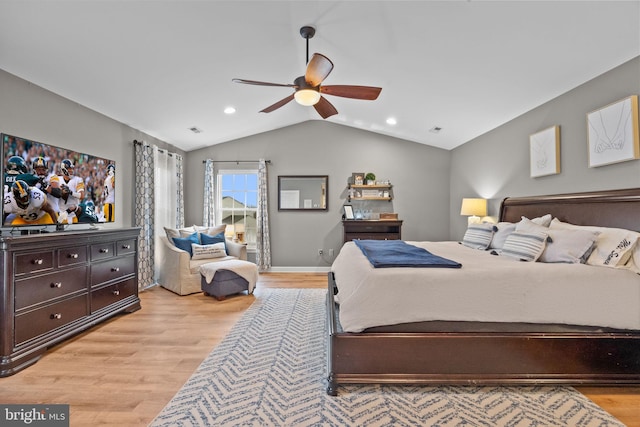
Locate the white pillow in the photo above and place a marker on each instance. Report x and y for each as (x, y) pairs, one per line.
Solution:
(525, 225)
(499, 237)
(181, 232)
(524, 246)
(211, 230)
(478, 236)
(569, 246)
(614, 246)
(544, 220)
(217, 250)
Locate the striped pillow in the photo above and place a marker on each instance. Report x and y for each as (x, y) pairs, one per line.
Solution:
(525, 246)
(478, 236)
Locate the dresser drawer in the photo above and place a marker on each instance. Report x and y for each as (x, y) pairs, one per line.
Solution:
(371, 236)
(125, 247)
(71, 256)
(33, 261)
(31, 324)
(111, 294)
(372, 228)
(103, 251)
(112, 269)
(43, 288)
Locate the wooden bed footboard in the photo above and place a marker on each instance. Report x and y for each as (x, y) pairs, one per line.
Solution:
(479, 358)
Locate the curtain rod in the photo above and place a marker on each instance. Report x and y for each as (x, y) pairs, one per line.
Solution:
(162, 150)
(237, 161)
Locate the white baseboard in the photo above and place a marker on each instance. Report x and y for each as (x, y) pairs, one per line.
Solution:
(299, 270)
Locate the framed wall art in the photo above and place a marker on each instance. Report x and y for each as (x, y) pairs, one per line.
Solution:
(613, 133)
(545, 152)
(357, 178)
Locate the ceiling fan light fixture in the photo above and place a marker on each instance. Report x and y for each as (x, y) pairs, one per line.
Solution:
(307, 97)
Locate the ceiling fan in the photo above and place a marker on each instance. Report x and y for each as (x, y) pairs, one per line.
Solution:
(308, 88)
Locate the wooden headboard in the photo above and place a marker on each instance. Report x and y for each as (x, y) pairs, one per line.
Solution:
(612, 208)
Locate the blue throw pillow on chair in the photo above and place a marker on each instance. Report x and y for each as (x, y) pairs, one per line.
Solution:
(207, 239)
(184, 243)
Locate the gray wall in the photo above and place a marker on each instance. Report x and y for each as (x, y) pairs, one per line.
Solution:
(419, 175)
(496, 164)
(30, 112)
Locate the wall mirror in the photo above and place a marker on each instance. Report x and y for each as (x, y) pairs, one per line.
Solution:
(303, 192)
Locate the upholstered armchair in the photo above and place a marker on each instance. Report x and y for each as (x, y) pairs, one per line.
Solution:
(179, 272)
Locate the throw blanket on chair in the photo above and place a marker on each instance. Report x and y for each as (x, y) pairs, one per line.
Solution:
(397, 253)
(244, 269)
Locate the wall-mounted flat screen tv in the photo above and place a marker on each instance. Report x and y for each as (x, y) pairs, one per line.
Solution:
(45, 185)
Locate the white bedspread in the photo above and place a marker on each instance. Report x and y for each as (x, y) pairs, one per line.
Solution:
(487, 288)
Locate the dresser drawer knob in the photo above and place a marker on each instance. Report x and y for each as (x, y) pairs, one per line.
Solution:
(73, 256)
(116, 292)
(56, 285)
(115, 269)
(104, 250)
(56, 316)
(38, 261)
(126, 246)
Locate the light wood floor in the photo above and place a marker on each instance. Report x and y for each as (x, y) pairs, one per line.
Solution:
(124, 371)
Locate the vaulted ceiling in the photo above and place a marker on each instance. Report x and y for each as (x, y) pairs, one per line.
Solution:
(164, 67)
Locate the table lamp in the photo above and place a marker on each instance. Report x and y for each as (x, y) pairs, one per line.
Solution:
(475, 209)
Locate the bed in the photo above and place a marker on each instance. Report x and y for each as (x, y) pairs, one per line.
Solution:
(584, 331)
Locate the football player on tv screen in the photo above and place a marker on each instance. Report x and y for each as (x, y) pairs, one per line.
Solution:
(25, 205)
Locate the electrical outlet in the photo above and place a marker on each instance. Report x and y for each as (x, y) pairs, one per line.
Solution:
(320, 252)
(331, 252)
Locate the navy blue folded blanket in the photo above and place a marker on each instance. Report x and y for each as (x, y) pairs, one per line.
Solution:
(397, 253)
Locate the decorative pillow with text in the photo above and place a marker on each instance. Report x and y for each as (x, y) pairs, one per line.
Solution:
(215, 250)
(613, 247)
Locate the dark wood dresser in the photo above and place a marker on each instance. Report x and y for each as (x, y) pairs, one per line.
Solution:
(383, 229)
(55, 285)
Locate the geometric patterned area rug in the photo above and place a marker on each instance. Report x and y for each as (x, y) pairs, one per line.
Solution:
(270, 370)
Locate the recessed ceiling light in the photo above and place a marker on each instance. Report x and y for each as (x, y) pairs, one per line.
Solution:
(229, 110)
(392, 121)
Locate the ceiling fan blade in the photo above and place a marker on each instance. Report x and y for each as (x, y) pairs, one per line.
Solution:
(318, 69)
(325, 108)
(349, 91)
(277, 104)
(257, 83)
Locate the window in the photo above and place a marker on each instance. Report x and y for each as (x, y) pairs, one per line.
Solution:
(237, 203)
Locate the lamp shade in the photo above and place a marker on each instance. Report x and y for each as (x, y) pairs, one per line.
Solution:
(474, 207)
(307, 97)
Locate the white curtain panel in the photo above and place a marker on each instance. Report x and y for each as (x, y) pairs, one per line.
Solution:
(165, 192)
